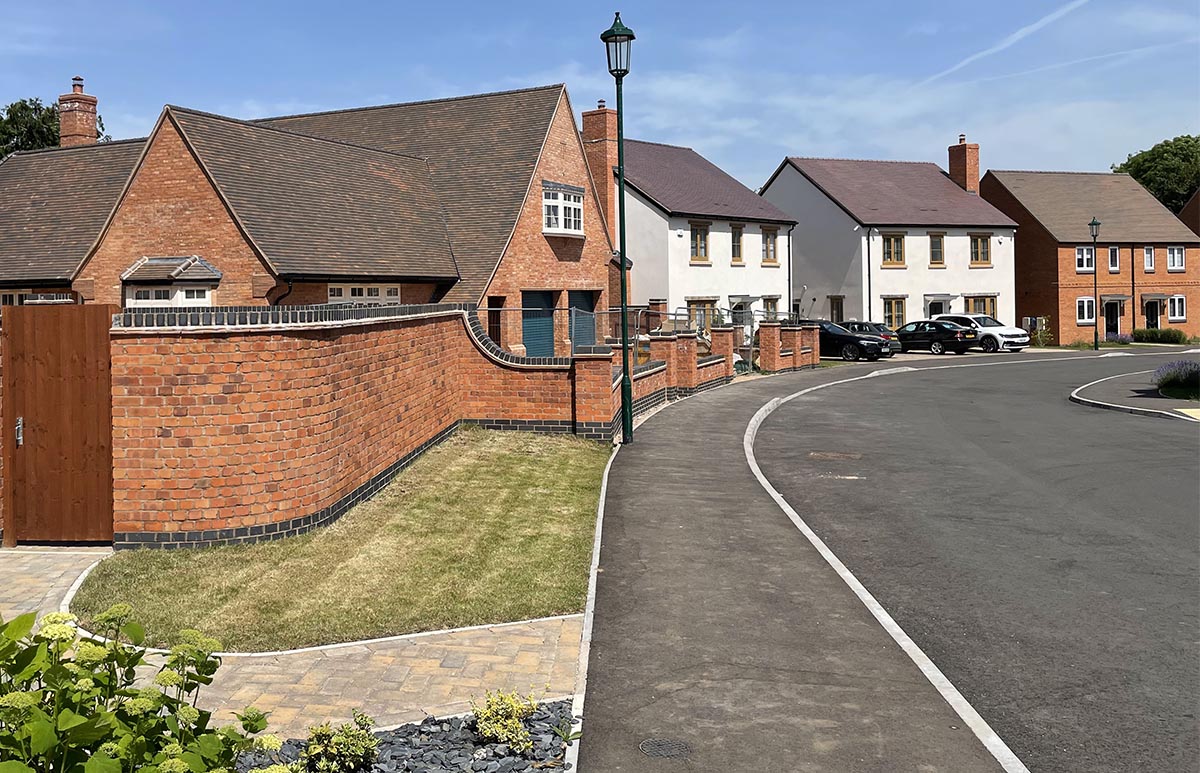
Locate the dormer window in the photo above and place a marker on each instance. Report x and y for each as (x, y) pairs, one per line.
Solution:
(562, 209)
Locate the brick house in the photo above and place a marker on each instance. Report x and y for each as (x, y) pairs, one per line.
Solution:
(697, 239)
(479, 199)
(1148, 261)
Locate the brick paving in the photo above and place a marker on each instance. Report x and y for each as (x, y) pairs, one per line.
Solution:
(38, 578)
(396, 681)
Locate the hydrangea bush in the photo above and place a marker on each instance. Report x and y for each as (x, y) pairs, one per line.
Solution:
(70, 705)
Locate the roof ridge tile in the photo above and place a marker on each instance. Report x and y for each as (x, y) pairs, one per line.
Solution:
(459, 98)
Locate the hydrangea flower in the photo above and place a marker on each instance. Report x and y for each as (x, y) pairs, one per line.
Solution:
(139, 706)
(268, 743)
(56, 632)
(168, 678)
(173, 765)
(83, 685)
(115, 616)
(187, 714)
(20, 700)
(90, 653)
(54, 618)
(172, 750)
(111, 750)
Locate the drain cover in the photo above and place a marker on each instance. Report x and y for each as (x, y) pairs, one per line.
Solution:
(664, 747)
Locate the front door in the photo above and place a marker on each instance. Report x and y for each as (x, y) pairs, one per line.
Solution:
(537, 323)
(57, 441)
(1112, 318)
(1152, 312)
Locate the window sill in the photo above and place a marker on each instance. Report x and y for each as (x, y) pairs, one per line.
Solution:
(766, 264)
(1176, 270)
(892, 265)
(737, 264)
(563, 234)
(937, 265)
(1084, 323)
(699, 262)
(1085, 271)
(1147, 271)
(981, 265)
(1176, 319)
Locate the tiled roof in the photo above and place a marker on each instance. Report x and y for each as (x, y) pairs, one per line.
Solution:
(53, 204)
(898, 193)
(683, 182)
(172, 269)
(318, 207)
(482, 151)
(1065, 202)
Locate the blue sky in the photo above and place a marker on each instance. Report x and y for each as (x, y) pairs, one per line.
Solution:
(1070, 84)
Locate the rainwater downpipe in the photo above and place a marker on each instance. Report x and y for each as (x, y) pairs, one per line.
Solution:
(867, 310)
(789, 279)
(279, 300)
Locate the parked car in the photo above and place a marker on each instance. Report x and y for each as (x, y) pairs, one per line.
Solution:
(837, 341)
(993, 335)
(875, 329)
(937, 335)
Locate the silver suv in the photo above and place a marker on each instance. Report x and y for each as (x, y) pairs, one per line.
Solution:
(994, 336)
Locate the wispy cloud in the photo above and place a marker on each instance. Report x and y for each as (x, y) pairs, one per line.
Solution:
(1127, 53)
(1008, 41)
(1156, 21)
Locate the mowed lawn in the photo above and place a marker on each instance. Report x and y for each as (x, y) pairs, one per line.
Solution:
(488, 527)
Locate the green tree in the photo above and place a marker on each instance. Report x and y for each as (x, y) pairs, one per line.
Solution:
(1170, 170)
(27, 124)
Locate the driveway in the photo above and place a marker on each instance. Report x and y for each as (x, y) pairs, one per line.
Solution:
(722, 634)
(37, 579)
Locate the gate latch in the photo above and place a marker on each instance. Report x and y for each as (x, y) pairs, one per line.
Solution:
(20, 431)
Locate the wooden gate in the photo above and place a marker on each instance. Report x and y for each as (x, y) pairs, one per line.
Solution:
(57, 423)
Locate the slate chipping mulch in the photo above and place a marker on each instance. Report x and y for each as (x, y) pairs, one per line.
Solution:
(450, 745)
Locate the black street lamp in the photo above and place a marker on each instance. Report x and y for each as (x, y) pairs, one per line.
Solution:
(617, 40)
(1095, 228)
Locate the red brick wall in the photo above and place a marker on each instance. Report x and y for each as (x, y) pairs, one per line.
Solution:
(228, 430)
(537, 262)
(171, 209)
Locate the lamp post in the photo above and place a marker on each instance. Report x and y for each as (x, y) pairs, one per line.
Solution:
(1095, 229)
(617, 40)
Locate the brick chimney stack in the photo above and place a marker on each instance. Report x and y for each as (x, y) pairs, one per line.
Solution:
(964, 165)
(600, 149)
(76, 117)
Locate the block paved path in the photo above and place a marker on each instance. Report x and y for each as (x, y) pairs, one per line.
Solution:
(395, 681)
(717, 623)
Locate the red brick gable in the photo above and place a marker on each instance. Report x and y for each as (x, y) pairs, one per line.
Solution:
(535, 261)
(171, 208)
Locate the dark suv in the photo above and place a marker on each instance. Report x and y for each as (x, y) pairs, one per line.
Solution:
(837, 341)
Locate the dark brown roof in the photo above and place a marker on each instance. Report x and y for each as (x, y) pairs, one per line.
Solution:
(482, 151)
(1190, 214)
(53, 204)
(1065, 202)
(317, 207)
(172, 269)
(898, 193)
(682, 182)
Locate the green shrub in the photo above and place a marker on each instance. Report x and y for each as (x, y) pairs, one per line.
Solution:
(1180, 373)
(1160, 335)
(348, 748)
(70, 705)
(501, 719)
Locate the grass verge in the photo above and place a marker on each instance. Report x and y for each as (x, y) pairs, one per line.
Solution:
(488, 527)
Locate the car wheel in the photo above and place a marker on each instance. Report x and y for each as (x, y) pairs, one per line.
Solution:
(989, 345)
(850, 353)
(937, 347)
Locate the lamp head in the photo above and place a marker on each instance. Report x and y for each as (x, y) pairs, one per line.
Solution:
(617, 40)
(1094, 226)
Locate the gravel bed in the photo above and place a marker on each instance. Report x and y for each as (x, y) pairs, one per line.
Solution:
(450, 746)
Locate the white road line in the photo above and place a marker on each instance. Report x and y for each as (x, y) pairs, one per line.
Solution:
(988, 737)
(585, 645)
(1078, 398)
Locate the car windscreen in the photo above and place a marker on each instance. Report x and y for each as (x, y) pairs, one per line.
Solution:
(988, 322)
(832, 328)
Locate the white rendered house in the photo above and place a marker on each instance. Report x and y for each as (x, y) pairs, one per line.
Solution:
(894, 241)
(696, 237)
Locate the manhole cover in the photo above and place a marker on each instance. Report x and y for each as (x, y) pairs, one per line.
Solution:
(664, 747)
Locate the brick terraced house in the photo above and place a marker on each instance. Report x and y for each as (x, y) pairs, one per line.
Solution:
(1190, 214)
(1148, 261)
(697, 238)
(481, 199)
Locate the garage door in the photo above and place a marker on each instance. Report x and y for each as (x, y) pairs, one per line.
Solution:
(583, 317)
(537, 323)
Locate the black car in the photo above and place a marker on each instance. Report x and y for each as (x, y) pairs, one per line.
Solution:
(875, 329)
(837, 341)
(936, 335)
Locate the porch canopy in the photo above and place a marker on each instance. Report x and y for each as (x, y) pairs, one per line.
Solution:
(1107, 298)
(1154, 297)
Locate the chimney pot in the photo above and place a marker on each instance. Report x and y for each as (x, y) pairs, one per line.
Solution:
(77, 85)
(600, 104)
(962, 139)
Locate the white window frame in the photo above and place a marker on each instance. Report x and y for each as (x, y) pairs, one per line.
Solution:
(1085, 302)
(158, 296)
(1114, 260)
(562, 212)
(365, 294)
(1177, 308)
(1176, 252)
(1083, 257)
(1148, 259)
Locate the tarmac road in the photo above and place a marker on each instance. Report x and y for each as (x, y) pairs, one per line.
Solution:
(1045, 555)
